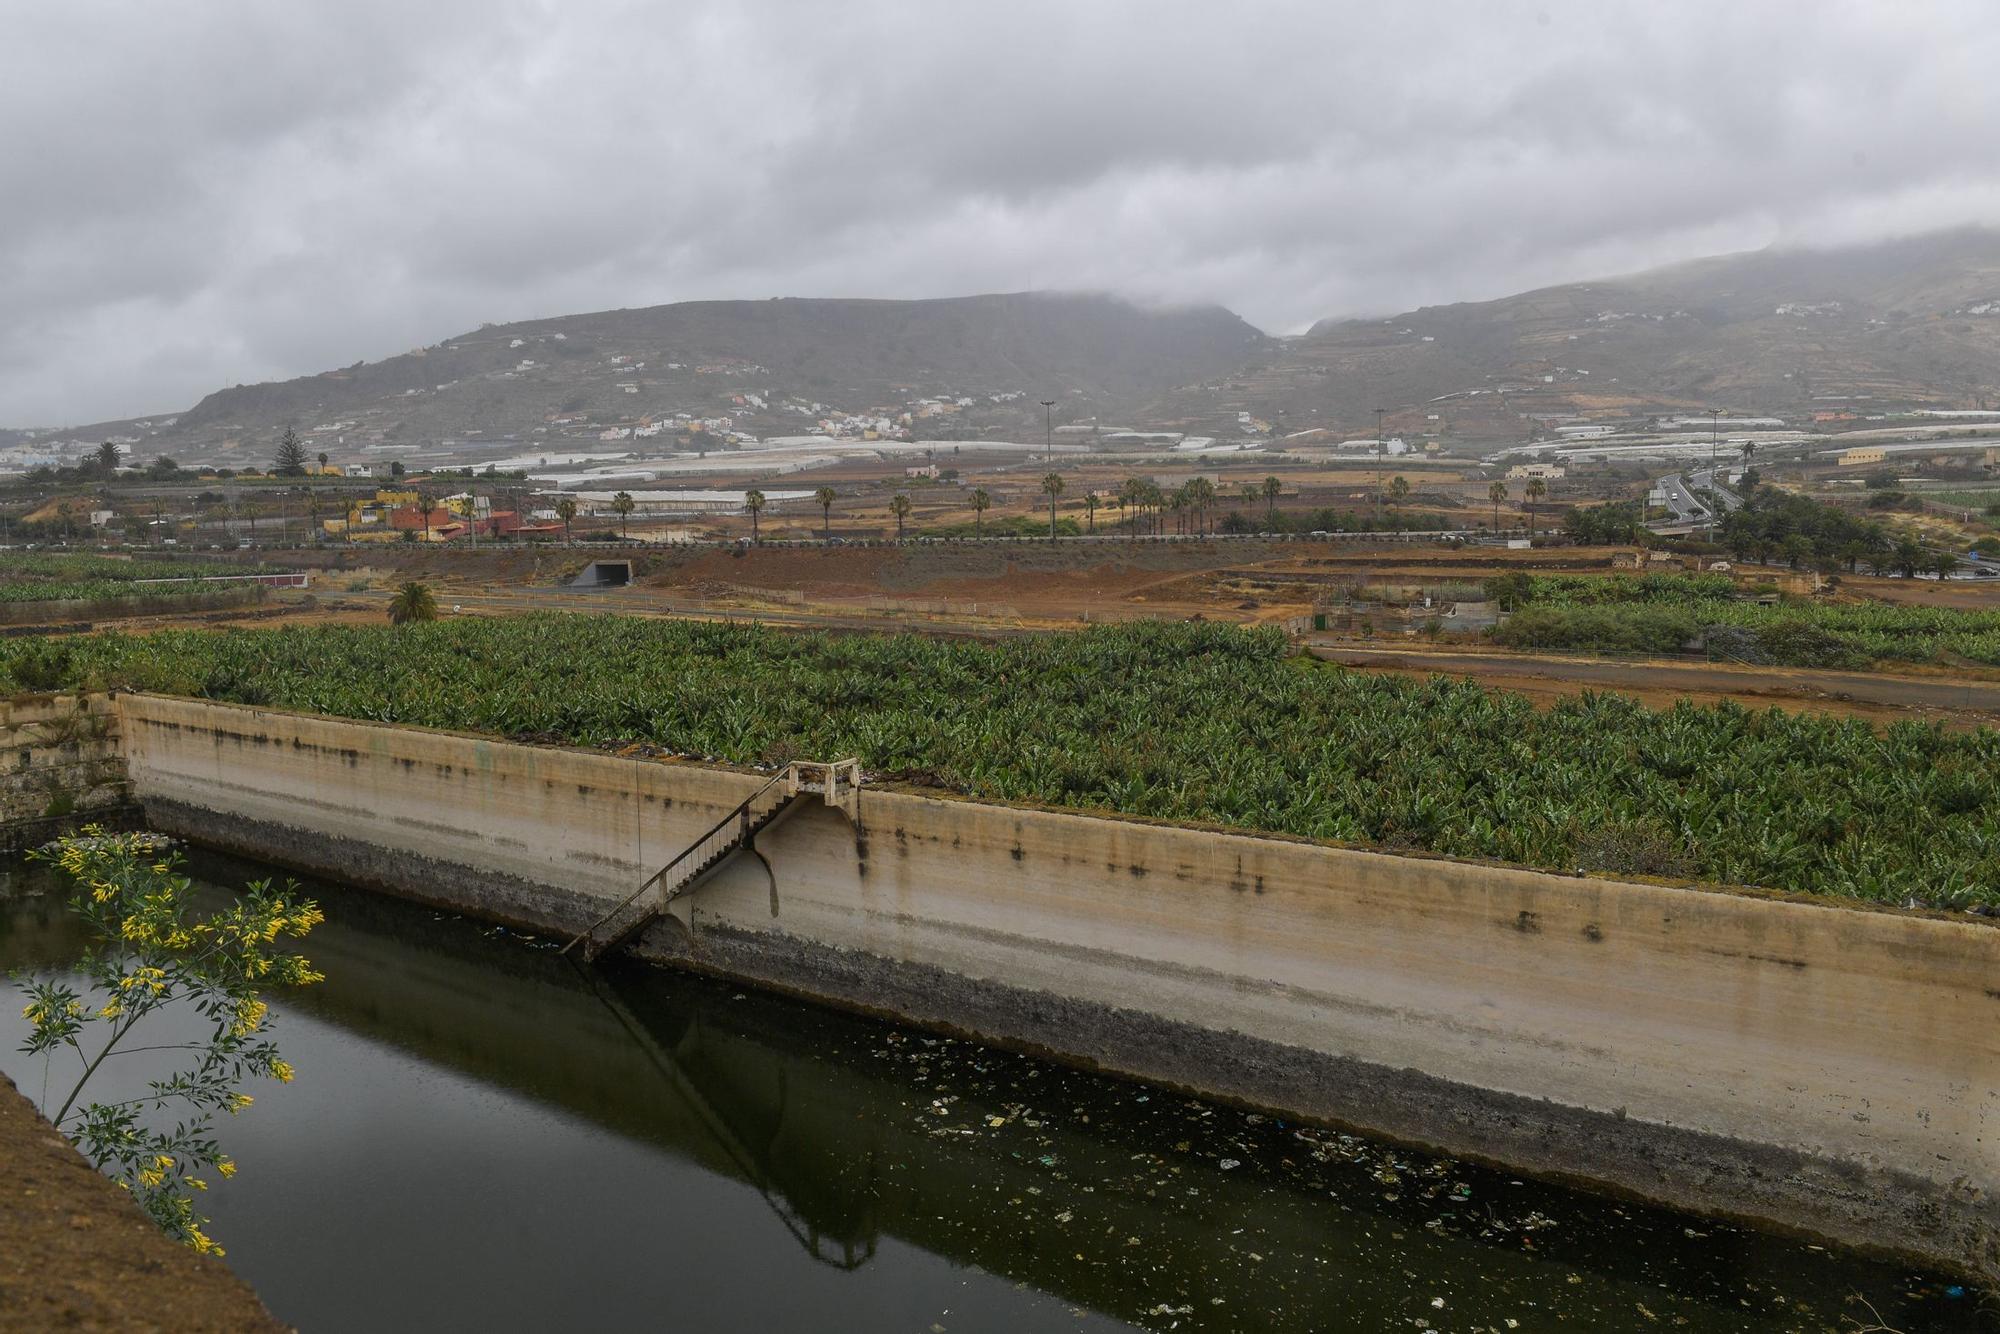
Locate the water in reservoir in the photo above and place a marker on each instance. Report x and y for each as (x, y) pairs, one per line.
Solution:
(483, 1136)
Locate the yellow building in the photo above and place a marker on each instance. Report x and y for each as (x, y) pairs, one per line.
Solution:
(1861, 458)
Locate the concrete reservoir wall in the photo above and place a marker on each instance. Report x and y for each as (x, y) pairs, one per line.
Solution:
(1820, 1067)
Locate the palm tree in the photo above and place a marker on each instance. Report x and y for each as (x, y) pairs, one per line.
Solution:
(1537, 488)
(623, 505)
(1496, 493)
(1272, 486)
(424, 502)
(1156, 501)
(1090, 508)
(824, 497)
(322, 460)
(1179, 505)
(1399, 490)
(1205, 498)
(754, 502)
(413, 602)
(1052, 486)
(566, 511)
(899, 505)
(980, 502)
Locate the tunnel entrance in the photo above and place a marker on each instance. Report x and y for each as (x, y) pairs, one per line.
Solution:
(604, 574)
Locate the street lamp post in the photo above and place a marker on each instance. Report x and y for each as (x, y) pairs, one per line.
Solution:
(1049, 426)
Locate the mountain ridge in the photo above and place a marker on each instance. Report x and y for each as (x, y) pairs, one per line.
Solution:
(1796, 332)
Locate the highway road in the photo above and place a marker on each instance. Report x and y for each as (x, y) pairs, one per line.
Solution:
(1710, 479)
(1681, 501)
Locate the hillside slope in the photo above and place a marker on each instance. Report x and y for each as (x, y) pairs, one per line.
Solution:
(1093, 352)
(1908, 323)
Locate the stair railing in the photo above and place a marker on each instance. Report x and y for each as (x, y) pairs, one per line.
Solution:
(735, 825)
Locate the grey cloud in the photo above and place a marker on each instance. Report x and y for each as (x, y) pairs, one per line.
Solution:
(203, 194)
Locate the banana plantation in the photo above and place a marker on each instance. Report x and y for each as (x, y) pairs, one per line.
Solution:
(50, 577)
(1193, 723)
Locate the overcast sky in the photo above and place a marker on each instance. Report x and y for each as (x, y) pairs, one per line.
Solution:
(194, 195)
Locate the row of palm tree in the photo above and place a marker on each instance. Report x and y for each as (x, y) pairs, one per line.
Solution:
(1192, 503)
(1143, 504)
(1536, 489)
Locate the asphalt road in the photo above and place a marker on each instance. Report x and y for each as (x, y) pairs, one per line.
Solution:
(1682, 501)
(1708, 479)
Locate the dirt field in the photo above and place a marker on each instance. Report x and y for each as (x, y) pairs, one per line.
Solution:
(76, 1253)
(1000, 588)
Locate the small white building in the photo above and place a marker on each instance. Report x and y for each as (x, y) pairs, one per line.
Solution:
(1546, 471)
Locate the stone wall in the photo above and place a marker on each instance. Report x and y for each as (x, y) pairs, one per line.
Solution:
(1820, 1066)
(61, 763)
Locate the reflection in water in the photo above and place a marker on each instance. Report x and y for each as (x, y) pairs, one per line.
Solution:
(484, 1135)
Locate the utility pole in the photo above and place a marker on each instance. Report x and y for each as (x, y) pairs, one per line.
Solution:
(1049, 427)
(1714, 429)
(1378, 458)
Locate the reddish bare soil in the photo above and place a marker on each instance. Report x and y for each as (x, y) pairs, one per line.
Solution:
(76, 1253)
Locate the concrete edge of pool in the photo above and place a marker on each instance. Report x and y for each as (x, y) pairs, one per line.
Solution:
(1818, 1069)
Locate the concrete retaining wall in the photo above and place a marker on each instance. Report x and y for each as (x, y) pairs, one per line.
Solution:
(1821, 1067)
(61, 762)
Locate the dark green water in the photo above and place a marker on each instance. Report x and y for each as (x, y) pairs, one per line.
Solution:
(484, 1137)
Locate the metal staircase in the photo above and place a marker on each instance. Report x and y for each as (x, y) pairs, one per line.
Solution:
(838, 784)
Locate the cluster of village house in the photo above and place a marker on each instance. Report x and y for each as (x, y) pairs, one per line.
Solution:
(401, 516)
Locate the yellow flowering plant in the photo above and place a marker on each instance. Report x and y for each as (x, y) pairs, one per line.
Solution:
(156, 953)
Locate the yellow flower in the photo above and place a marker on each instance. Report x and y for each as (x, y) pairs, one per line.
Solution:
(151, 1178)
(111, 1010)
(163, 1160)
(282, 1071)
(226, 1167)
(197, 1183)
(238, 1101)
(249, 1013)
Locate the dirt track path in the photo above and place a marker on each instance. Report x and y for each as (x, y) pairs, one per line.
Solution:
(1856, 694)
